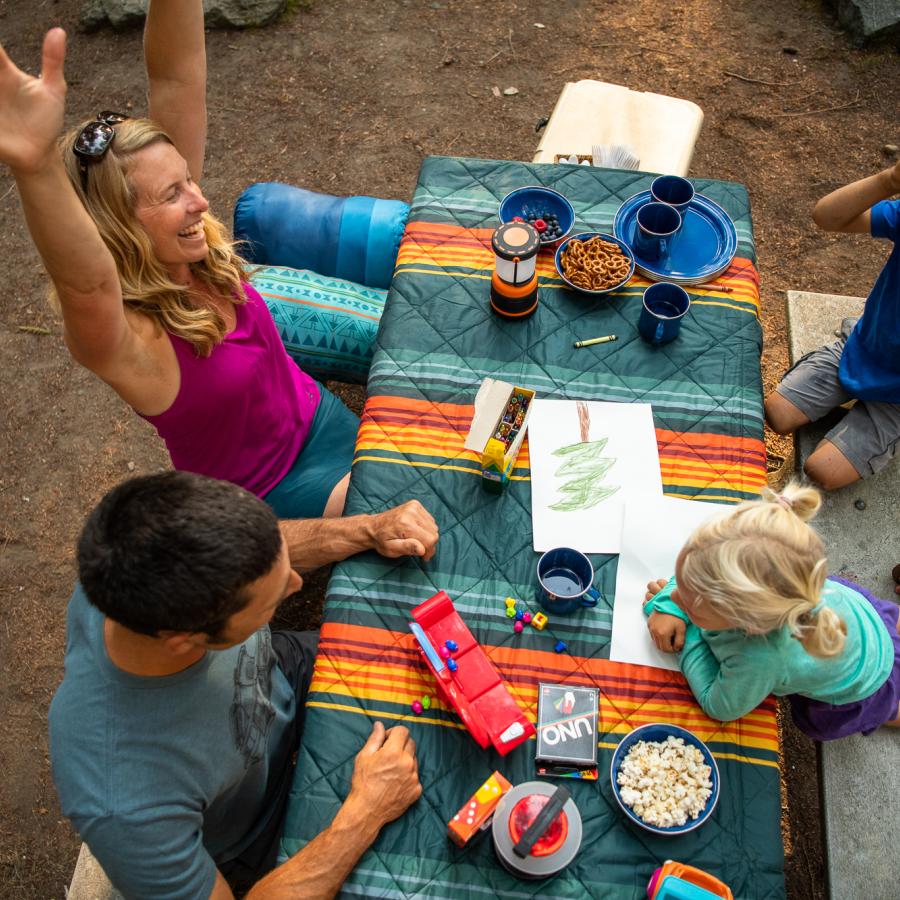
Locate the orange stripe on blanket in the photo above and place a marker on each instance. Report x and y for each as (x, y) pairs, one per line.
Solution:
(741, 478)
(402, 685)
(395, 415)
(709, 440)
(432, 243)
(351, 662)
(446, 442)
(402, 412)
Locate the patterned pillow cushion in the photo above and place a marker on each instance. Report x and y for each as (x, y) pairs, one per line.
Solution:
(328, 325)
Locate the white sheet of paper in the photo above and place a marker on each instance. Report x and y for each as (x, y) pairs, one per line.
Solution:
(634, 470)
(654, 532)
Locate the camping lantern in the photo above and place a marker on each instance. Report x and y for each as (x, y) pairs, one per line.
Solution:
(514, 286)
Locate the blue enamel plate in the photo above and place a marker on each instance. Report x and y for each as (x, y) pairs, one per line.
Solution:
(702, 250)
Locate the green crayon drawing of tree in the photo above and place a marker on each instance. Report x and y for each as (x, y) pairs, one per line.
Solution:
(584, 470)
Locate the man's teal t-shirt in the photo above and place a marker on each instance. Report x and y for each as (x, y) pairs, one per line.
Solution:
(870, 363)
(165, 777)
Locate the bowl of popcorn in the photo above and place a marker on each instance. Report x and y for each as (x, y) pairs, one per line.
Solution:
(665, 779)
(546, 210)
(594, 263)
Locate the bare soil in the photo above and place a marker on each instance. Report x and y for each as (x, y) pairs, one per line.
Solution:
(348, 97)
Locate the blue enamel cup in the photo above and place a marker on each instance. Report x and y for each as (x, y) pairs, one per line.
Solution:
(565, 581)
(673, 190)
(665, 305)
(657, 225)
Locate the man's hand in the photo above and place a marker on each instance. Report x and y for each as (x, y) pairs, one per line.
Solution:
(386, 773)
(406, 530)
(385, 784)
(667, 631)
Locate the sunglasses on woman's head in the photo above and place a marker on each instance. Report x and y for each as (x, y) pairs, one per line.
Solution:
(95, 139)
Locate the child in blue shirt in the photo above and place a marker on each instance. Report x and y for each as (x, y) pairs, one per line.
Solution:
(864, 364)
(750, 613)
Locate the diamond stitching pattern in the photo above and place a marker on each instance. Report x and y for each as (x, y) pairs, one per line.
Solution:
(438, 340)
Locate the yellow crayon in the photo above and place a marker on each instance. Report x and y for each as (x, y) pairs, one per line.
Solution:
(600, 340)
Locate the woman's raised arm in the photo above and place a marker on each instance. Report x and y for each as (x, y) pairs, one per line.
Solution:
(77, 260)
(175, 56)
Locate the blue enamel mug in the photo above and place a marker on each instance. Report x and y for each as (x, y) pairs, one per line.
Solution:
(665, 305)
(657, 225)
(673, 190)
(565, 581)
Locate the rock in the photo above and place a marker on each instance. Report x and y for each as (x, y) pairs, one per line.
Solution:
(870, 21)
(92, 15)
(122, 14)
(511, 91)
(890, 149)
(242, 13)
(860, 504)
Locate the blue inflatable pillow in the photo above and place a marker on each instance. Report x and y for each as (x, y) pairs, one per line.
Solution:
(356, 238)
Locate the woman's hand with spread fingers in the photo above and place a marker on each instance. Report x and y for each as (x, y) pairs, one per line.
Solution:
(31, 108)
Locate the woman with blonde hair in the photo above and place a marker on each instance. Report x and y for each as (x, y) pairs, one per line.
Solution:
(154, 298)
(751, 613)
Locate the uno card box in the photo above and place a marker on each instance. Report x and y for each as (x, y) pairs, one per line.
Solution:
(476, 814)
(498, 429)
(567, 728)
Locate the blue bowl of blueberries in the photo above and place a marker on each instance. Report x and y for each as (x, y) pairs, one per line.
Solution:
(547, 210)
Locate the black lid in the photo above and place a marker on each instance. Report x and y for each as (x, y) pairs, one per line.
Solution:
(516, 239)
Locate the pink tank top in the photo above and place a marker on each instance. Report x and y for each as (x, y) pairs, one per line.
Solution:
(242, 413)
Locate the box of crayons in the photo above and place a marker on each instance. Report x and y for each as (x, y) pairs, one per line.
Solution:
(498, 429)
(567, 732)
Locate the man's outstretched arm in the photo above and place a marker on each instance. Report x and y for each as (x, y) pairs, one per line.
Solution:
(385, 784)
(406, 530)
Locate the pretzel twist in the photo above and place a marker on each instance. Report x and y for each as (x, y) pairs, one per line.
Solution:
(594, 264)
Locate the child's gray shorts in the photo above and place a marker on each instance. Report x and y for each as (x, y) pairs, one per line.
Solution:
(870, 432)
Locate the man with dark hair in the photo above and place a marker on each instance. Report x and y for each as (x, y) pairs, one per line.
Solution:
(173, 733)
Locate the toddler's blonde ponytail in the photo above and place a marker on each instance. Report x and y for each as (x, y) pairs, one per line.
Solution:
(761, 567)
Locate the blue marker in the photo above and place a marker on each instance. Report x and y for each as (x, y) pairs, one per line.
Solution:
(427, 648)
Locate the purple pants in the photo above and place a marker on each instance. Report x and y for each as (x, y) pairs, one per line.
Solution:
(828, 721)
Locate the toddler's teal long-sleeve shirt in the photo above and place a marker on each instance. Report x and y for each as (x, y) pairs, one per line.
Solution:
(731, 673)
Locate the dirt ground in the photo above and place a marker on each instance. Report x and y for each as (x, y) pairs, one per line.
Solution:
(348, 97)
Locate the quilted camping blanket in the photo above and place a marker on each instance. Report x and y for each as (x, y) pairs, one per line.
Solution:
(438, 340)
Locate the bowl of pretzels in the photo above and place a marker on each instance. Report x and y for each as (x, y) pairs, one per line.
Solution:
(594, 263)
